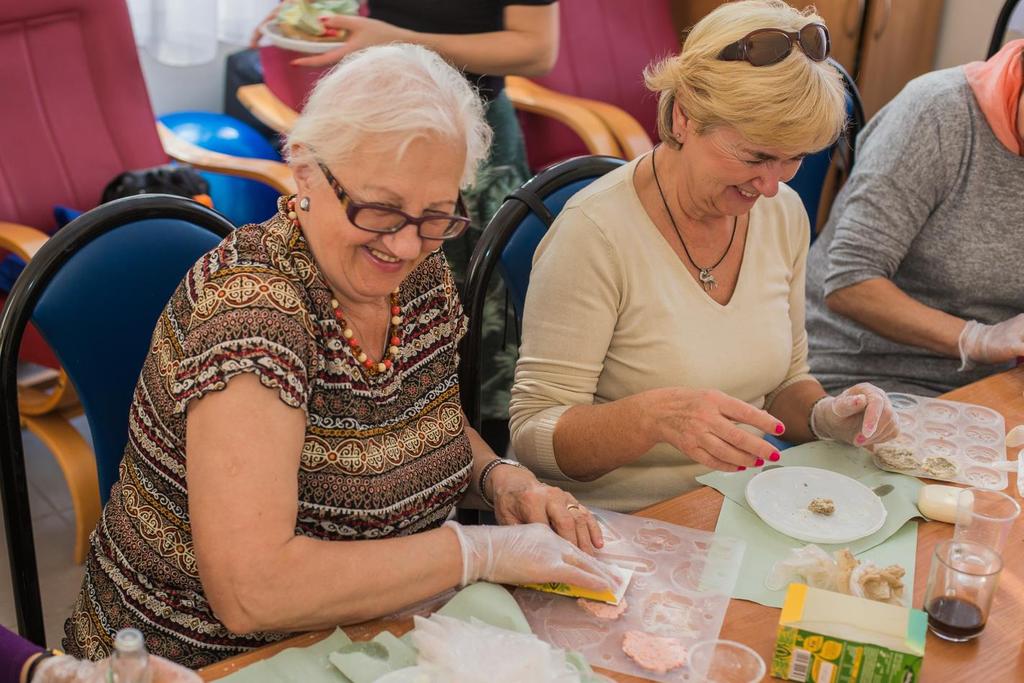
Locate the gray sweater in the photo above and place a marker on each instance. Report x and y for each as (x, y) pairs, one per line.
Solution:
(936, 205)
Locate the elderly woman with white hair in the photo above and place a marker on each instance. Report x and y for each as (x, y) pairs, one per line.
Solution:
(664, 324)
(296, 439)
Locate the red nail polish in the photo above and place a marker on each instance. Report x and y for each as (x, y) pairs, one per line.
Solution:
(860, 439)
(330, 31)
(740, 468)
(774, 457)
(759, 462)
(779, 428)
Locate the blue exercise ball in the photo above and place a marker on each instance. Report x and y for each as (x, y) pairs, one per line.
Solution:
(240, 199)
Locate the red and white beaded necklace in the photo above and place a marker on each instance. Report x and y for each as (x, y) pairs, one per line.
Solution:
(372, 367)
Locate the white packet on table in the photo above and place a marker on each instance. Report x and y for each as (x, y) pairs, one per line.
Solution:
(456, 651)
(810, 565)
(841, 572)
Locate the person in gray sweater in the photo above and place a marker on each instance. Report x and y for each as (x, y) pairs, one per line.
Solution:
(917, 281)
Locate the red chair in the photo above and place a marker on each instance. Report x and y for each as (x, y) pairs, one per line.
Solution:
(277, 101)
(593, 102)
(76, 114)
(604, 47)
(290, 84)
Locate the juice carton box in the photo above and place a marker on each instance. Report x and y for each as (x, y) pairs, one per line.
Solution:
(827, 637)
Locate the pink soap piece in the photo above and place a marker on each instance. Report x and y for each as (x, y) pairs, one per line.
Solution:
(654, 653)
(603, 610)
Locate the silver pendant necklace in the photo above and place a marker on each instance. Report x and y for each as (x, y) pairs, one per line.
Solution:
(706, 277)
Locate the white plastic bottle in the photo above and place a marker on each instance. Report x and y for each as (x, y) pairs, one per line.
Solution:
(130, 661)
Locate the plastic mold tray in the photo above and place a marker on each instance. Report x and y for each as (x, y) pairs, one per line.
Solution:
(970, 437)
(682, 581)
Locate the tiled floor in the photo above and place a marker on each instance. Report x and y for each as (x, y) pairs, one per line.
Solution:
(54, 532)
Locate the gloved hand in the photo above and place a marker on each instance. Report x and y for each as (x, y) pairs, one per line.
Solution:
(980, 343)
(67, 669)
(527, 553)
(861, 416)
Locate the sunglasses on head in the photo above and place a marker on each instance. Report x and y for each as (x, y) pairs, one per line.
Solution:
(767, 46)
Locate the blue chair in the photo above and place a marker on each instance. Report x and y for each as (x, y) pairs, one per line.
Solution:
(241, 200)
(809, 182)
(95, 291)
(507, 245)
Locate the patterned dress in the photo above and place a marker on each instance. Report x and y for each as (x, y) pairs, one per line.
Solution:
(384, 455)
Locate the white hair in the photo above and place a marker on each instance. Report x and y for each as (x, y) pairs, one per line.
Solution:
(390, 95)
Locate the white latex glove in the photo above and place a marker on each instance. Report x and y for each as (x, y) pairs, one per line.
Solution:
(999, 343)
(861, 416)
(67, 669)
(527, 553)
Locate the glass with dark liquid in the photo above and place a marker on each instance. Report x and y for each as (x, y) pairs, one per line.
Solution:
(961, 584)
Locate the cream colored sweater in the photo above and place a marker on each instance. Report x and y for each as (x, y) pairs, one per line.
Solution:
(611, 312)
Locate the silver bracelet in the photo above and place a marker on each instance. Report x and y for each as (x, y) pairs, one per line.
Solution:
(486, 472)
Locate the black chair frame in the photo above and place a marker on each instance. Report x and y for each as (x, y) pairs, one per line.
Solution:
(488, 252)
(857, 120)
(15, 316)
(1002, 23)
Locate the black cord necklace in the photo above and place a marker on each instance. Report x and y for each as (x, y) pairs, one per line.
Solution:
(707, 280)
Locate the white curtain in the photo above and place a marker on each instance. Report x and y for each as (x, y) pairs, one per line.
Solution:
(186, 32)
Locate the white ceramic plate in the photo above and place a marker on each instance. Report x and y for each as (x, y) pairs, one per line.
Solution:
(780, 498)
(314, 47)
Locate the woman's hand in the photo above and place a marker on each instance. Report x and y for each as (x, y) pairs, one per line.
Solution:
(702, 424)
(520, 499)
(999, 343)
(361, 32)
(862, 415)
(257, 33)
(527, 553)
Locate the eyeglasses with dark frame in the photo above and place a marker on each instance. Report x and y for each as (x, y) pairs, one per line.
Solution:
(767, 46)
(384, 219)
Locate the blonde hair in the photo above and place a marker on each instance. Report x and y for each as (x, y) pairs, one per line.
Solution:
(797, 104)
(387, 96)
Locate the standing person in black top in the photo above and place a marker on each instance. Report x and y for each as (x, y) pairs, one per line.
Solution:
(488, 40)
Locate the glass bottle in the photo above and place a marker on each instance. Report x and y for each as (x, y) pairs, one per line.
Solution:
(130, 661)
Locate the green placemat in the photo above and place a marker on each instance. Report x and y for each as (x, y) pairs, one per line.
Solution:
(894, 543)
(296, 665)
(366, 661)
(765, 547)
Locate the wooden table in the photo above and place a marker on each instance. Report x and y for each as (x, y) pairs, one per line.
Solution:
(996, 655)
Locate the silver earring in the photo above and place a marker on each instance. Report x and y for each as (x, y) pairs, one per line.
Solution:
(304, 203)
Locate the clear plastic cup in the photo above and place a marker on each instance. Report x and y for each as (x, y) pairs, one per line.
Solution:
(726, 661)
(986, 517)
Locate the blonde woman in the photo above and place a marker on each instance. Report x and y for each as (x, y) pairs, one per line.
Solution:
(664, 324)
(296, 442)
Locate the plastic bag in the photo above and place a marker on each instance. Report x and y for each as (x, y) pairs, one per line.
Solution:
(455, 651)
(840, 572)
(810, 565)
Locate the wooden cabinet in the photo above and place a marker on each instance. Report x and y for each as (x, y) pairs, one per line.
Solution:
(898, 44)
(843, 18)
(883, 43)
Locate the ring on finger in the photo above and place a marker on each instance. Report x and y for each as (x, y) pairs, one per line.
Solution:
(573, 506)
